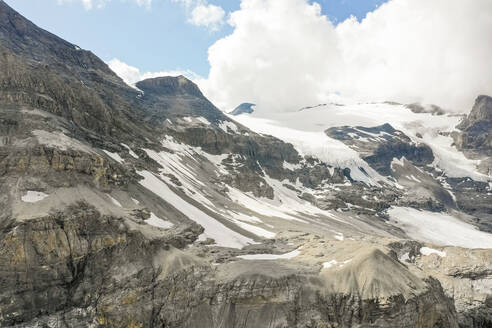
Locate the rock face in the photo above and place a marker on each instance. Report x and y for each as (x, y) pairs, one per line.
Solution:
(78, 268)
(148, 207)
(380, 144)
(477, 127)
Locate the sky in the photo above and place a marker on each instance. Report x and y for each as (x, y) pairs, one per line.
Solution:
(286, 54)
(153, 35)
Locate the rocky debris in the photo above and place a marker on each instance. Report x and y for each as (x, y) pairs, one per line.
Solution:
(79, 268)
(244, 108)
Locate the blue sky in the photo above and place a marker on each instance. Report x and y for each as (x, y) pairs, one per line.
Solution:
(155, 38)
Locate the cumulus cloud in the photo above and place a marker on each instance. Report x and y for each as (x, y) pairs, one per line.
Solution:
(210, 16)
(202, 13)
(91, 4)
(132, 75)
(285, 54)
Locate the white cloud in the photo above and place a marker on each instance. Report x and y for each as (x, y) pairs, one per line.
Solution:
(91, 4)
(201, 13)
(284, 54)
(210, 16)
(132, 75)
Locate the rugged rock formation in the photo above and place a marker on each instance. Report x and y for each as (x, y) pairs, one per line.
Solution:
(380, 144)
(477, 127)
(148, 207)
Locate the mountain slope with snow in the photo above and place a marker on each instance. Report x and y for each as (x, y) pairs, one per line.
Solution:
(148, 206)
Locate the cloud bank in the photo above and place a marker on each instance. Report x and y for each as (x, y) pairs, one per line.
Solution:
(132, 75)
(210, 16)
(285, 54)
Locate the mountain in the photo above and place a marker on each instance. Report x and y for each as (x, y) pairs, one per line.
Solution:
(476, 136)
(244, 108)
(148, 206)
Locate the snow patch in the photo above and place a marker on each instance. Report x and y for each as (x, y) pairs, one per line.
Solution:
(332, 263)
(255, 230)
(438, 228)
(290, 166)
(222, 235)
(158, 222)
(339, 236)
(132, 153)
(203, 120)
(33, 196)
(114, 201)
(114, 156)
(226, 126)
(327, 265)
(428, 251)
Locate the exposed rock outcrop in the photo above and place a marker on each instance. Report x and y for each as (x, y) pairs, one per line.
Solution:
(477, 127)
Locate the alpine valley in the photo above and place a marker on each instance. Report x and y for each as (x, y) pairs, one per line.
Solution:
(147, 206)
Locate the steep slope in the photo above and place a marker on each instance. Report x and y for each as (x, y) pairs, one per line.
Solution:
(148, 206)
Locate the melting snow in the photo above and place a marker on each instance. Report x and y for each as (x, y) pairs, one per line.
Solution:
(255, 230)
(203, 120)
(317, 144)
(114, 201)
(222, 235)
(339, 236)
(327, 265)
(114, 156)
(226, 125)
(33, 196)
(438, 228)
(428, 251)
(305, 130)
(292, 167)
(158, 222)
(132, 153)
